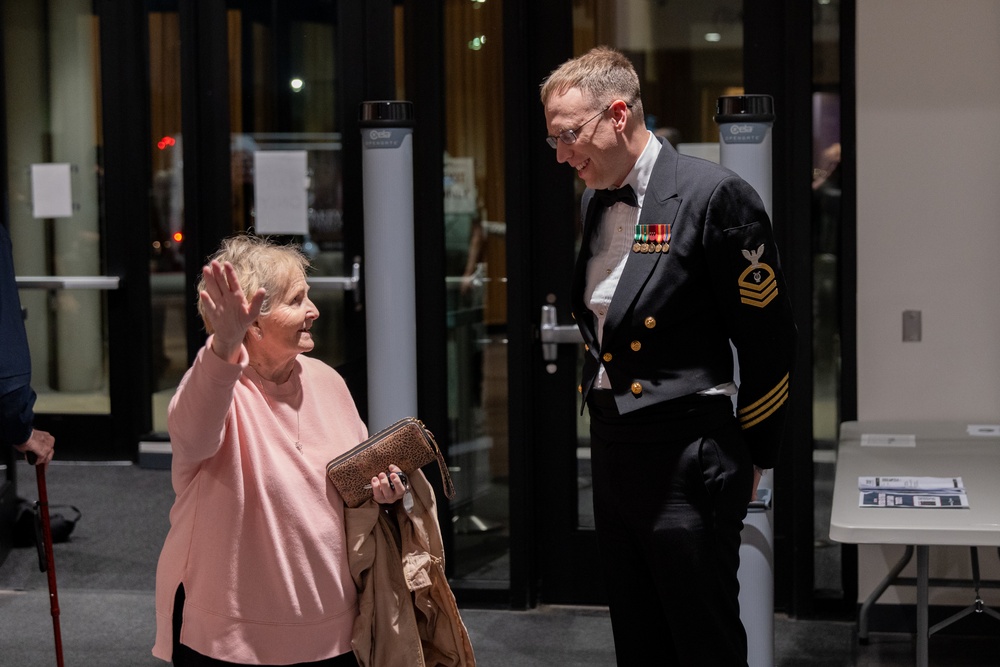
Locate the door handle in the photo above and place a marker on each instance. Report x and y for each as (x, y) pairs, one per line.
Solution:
(553, 334)
(67, 282)
(351, 283)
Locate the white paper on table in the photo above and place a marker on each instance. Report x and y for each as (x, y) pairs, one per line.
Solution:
(51, 191)
(911, 483)
(280, 184)
(888, 440)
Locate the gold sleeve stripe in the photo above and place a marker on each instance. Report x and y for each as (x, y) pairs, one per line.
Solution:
(780, 401)
(782, 386)
(767, 405)
(762, 409)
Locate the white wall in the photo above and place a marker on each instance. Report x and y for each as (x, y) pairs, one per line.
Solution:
(928, 118)
(928, 113)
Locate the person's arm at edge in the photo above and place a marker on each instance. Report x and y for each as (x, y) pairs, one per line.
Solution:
(16, 419)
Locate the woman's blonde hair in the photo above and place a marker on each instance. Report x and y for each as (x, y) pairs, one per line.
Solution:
(258, 262)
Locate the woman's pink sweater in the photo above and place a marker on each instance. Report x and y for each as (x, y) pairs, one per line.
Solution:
(256, 530)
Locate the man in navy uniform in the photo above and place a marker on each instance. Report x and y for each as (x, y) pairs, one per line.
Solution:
(677, 260)
(17, 398)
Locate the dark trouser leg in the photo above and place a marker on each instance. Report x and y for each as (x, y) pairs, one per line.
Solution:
(668, 517)
(182, 655)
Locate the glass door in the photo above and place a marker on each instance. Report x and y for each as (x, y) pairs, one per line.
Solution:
(693, 56)
(286, 101)
(280, 67)
(687, 54)
(124, 168)
(475, 274)
(54, 167)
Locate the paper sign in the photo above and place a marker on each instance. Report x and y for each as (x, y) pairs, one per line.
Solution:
(460, 185)
(887, 440)
(51, 191)
(280, 184)
(984, 429)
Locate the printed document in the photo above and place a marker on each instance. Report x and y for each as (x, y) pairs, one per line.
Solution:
(918, 492)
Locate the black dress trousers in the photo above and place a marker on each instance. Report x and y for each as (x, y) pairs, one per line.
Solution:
(671, 487)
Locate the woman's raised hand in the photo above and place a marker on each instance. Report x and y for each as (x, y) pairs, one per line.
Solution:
(227, 309)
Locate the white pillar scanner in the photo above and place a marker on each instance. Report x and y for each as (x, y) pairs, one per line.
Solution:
(390, 303)
(745, 123)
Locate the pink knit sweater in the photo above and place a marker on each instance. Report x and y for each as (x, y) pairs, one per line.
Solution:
(256, 530)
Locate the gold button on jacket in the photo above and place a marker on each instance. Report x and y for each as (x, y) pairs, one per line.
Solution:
(607, 356)
(636, 388)
(650, 322)
(636, 346)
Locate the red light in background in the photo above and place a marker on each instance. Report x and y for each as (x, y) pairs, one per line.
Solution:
(165, 141)
(178, 237)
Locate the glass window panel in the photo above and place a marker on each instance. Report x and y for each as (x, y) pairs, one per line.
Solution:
(52, 72)
(826, 221)
(475, 257)
(294, 111)
(166, 253)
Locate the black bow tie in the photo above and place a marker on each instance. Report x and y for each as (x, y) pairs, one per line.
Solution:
(609, 198)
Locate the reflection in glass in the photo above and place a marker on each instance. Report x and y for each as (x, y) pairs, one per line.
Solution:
(295, 113)
(826, 225)
(266, 114)
(166, 253)
(57, 124)
(475, 251)
(324, 241)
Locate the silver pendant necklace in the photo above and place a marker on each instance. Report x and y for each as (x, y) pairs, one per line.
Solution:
(298, 427)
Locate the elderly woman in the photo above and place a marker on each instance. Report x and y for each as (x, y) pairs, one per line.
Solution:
(254, 569)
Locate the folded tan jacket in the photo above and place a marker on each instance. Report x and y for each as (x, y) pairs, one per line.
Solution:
(407, 614)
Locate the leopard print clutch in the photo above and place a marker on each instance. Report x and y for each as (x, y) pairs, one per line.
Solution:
(407, 443)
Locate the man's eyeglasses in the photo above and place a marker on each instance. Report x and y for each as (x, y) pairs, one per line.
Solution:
(569, 137)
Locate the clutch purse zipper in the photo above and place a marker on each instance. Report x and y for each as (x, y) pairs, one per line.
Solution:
(389, 429)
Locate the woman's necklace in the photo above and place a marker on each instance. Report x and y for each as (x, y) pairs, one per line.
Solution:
(298, 427)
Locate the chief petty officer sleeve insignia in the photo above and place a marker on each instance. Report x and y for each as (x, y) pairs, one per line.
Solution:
(766, 406)
(758, 286)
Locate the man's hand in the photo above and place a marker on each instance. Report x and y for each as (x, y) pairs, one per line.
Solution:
(41, 444)
(757, 474)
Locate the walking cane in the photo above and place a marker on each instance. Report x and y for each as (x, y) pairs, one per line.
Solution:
(46, 561)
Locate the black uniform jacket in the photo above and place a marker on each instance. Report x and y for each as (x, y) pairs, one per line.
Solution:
(668, 329)
(17, 399)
